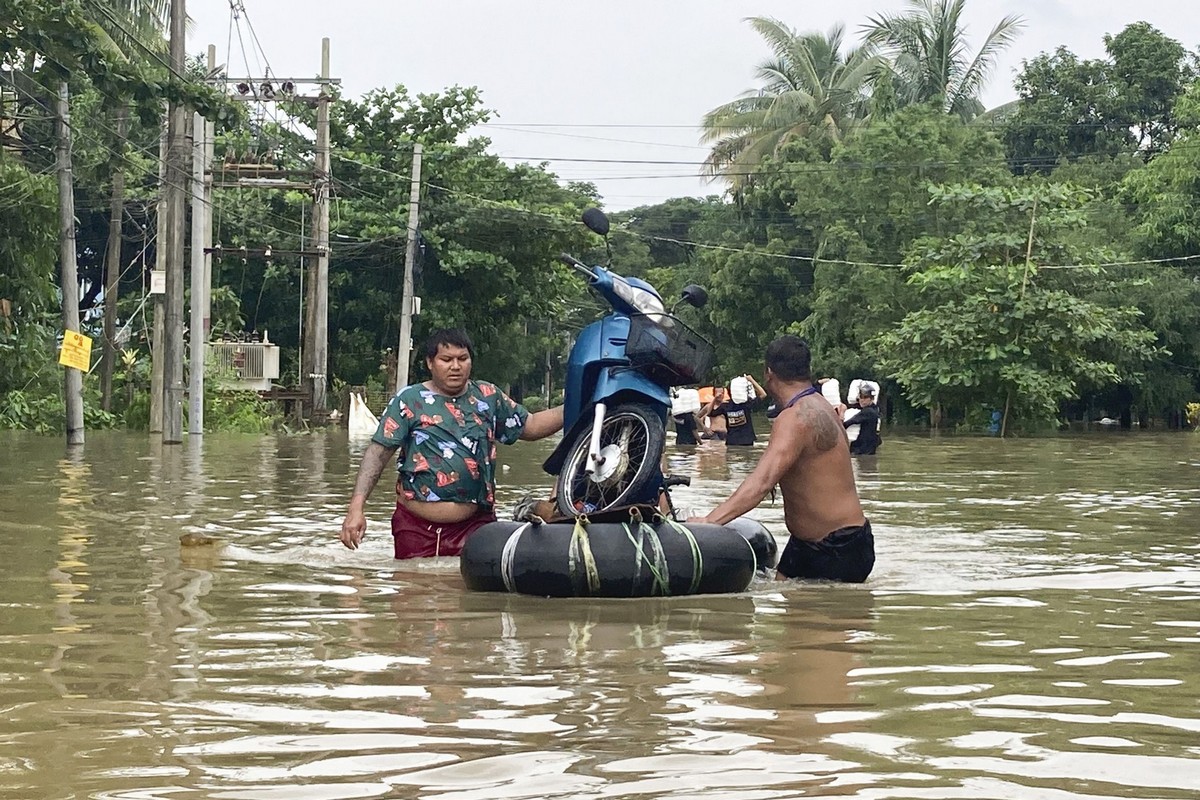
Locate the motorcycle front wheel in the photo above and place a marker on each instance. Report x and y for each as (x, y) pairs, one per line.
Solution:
(631, 441)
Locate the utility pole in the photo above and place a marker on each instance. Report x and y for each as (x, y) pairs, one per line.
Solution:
(319, 269)
(177, 177)
(112, 262)
(196, 337)
(210, 144)
(201, 198)
(73, 378)
(313, 370)
(407, 300)
(156, 291)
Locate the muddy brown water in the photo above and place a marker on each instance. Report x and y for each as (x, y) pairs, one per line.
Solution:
(1031, 631)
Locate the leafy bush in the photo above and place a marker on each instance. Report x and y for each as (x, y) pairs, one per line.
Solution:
(240, 412)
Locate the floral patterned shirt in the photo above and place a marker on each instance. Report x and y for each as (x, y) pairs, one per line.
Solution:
(447, 445)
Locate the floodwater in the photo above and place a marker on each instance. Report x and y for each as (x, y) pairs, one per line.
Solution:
(1031, 631)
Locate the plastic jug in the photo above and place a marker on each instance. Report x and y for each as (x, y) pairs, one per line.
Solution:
(831, 390)
(685, 401)
(739, 390)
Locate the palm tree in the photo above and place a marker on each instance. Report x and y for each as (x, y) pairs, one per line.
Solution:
(929, 55)
(809, 89)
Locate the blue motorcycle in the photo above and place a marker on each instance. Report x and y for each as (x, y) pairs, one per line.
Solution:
(616, 396)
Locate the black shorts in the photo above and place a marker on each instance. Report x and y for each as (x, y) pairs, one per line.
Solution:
(846, 555)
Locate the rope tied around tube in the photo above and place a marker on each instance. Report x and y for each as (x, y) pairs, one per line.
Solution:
(580, 556)
(697, 555)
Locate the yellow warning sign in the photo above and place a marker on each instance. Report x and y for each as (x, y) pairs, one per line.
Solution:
(76, 351)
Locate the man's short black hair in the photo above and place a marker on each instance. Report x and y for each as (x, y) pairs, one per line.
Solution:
(451, 337)
(789, 358)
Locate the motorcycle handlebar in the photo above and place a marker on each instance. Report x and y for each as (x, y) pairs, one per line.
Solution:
(572, 261)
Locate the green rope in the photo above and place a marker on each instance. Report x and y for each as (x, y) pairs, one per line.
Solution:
(697, 556)
(658, 567)
(581, 552)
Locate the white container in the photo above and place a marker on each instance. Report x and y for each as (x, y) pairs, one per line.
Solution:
(831, 390)
(851, 430)
(739, 390)
(685, 401)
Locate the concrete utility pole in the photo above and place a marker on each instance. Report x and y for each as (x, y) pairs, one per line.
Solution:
(319, 269)
(73, 378)
(112, 263)
(407, 301)
(160, 266)
(210, 144)
(177, 159)
(201, 261)
(196, 337)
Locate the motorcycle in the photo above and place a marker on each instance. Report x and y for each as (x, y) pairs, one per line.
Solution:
(619, 373)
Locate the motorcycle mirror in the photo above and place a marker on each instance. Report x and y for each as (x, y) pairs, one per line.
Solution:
(596, 221)
(694, 295)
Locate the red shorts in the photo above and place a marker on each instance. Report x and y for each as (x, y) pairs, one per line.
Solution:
(415, 537)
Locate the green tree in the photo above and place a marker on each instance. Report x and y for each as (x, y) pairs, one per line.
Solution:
(1070, 108)
(1167, 191)
(490, 235)
(28, 300)
(994, 328)
(811, 87)
(1166, 194)
(931, 59)
(1150, 71)
(857, 214)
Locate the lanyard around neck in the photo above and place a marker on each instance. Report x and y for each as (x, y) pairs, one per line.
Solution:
(804, 393)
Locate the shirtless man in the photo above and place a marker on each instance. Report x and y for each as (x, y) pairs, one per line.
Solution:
(808, 457)
(714, 412)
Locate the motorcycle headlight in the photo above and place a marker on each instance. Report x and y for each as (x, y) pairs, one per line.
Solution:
(644, 301)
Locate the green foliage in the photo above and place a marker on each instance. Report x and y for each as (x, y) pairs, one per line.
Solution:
(29, 320)
(490, 236)
(813, 87)
(991, 327)
(41, 412)
(929, 57)
(868, 204)
(240, 412)
(1167, 191)
(1071, 108)
(830, 233)
(66, 38)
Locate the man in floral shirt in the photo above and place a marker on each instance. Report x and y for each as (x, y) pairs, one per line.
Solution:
(444, 432)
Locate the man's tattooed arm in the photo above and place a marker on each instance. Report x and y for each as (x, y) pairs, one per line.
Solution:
(375, 458)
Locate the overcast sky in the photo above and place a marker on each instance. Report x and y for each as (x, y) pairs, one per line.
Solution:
(613, 79)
